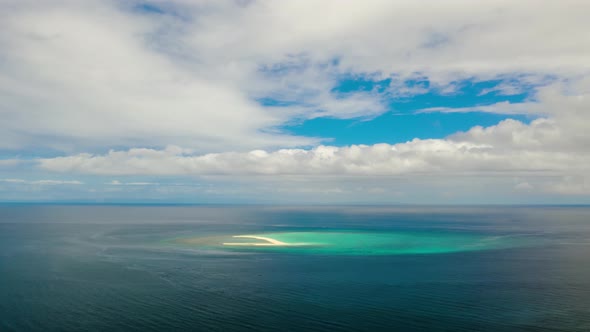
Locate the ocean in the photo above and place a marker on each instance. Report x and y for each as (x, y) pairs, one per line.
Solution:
(294, 268)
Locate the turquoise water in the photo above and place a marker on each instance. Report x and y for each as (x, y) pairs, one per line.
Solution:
(165, 268)
(369, 243)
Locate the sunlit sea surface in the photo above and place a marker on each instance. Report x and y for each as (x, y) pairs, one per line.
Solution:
(182, 268)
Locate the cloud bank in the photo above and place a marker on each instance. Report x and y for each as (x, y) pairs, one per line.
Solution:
(510, 146)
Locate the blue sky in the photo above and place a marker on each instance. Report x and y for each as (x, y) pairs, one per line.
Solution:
(278, 102)
(395, 128)
(405, 118)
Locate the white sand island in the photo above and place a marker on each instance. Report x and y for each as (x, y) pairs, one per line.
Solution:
(270, 242)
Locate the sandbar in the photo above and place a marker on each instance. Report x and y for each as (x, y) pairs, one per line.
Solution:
(270, 242)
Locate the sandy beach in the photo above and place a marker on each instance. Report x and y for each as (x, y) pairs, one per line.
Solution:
(269, 241)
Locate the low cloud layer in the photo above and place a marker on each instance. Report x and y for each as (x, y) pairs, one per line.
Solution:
(42, 182)
(555, 144)
(510, 147)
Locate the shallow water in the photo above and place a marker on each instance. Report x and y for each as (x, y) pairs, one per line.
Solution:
(129, 268)
(351, 242)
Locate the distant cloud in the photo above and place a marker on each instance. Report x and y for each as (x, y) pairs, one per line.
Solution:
(511, 147)
(9, 162)
(524, 186)
(570, 185)
(42, 182)
(119, 183)
(13, 180)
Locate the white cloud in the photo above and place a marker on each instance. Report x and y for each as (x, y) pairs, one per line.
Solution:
(434, 37)
(546, 154)
(524, 186)
(9, 162)
(13, 180)
(42, 182)
(219, 78)
(510, 146)
(90, 75)
(86, 71)
(119, 183)
(56, 182)
(569, 185)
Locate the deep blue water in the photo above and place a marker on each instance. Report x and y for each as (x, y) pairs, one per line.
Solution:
(118, 268)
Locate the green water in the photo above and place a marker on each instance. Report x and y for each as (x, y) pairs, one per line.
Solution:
(364, 243)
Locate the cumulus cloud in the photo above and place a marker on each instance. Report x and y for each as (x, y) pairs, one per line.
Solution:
(203, 88)
(87, 72)
(90, 75)
(510, 146)
(549, 155)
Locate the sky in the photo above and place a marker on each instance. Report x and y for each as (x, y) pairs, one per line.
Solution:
(295, 101)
